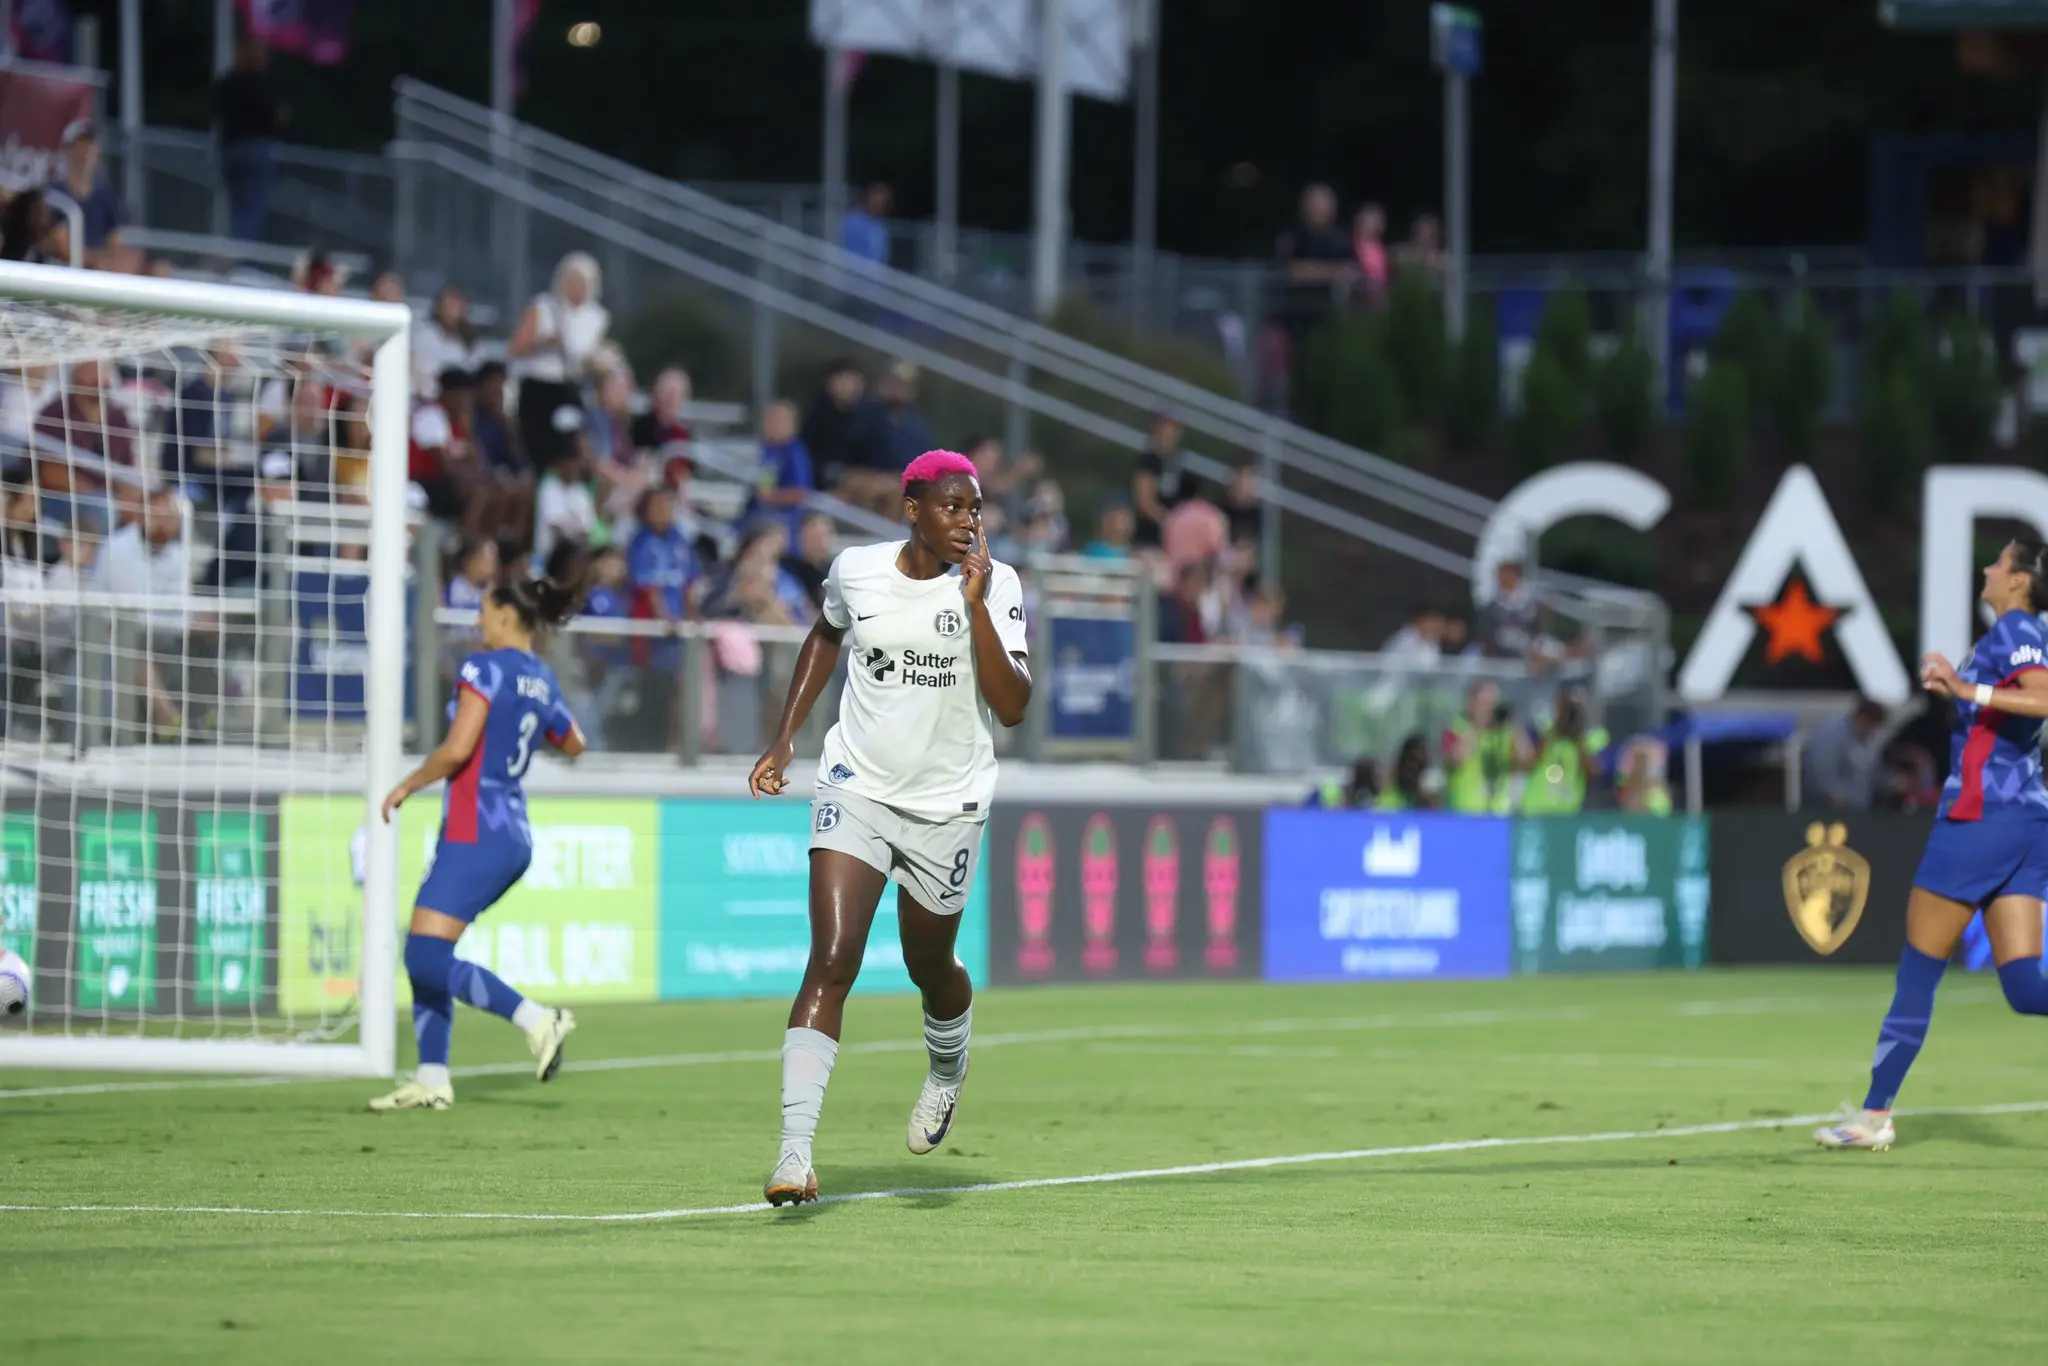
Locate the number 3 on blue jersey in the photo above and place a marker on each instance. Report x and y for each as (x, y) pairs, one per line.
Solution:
(522, 755)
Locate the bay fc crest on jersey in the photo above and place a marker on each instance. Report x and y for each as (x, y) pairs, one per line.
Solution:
(1826, 886)
(949, 623)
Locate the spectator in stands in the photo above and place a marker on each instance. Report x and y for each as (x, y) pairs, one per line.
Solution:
(1360, 788)
(97, 434)
(1241, 505)
(902, 433)
(1042, 529)
(1420, 642)
(607, 664)
(497, 441)
(664, 428)
(811, 557)
(660, 561)
(1115, 525)
(1842, 768)
(1160, 484)
(836, 425)
(1483, 749)
(1369, 252)
(445, 461)
(1412, 783)
(1004, 482)
(755, 587)
(476, 568)
(98, 206)
(147, 560)
(1180, 611)
(1424, 249)
(558, 344)
(36, 639)
(1195, 532)
(247, 115)
(1640, 785)
(608, 424)
(1317, 259)
(1507, 625)
(447, 340)
(1563, 761)
(196, 453)
(565, 508)
(865, 230)
(785, 479)
(32, 232)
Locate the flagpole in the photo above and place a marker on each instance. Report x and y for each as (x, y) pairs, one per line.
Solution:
(131, 110)
(6, 28)
(223, 61)
(833, 187)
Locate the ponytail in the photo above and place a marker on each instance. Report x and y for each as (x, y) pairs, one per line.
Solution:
(540, 603)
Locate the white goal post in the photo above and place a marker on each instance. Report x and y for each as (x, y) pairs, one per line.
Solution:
(67, 778)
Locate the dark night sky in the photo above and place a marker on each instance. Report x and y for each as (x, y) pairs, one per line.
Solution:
(1778, 103)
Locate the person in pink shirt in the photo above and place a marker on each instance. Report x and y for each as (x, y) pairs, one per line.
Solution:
(1369, 247)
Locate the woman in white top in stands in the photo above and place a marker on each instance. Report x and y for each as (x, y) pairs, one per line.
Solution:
(447, 340)
(558, 345)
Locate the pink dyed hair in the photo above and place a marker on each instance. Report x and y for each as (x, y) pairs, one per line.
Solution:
(936, 465)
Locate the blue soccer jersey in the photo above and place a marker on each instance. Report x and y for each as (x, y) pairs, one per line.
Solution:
(485, 800)
(1994, 756)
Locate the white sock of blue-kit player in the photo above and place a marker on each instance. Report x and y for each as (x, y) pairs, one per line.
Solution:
(807, 1058)
(946, 1042)
(529, 1015)
(432, 1074)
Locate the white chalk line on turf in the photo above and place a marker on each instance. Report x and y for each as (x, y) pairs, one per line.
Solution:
(1248, 1164)
(1079, 1034)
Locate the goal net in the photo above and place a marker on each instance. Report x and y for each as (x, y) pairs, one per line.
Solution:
(203, 620)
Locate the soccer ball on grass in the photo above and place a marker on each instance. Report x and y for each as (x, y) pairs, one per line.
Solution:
(13, 982)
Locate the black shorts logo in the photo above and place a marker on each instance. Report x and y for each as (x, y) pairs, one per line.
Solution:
(828, 816)
(948, 623)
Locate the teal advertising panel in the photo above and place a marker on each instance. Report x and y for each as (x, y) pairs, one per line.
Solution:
(734, 902)
(1610, 891)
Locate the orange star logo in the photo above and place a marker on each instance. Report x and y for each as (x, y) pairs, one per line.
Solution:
(1794, 625)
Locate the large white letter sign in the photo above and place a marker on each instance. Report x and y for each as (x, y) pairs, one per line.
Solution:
(1586, 489)
(1956, 496)
(1797, 530)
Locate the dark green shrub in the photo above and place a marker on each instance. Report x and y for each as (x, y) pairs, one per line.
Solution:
(1552, 415)
(1963, 390)
(1748, 340)
(1805, 380)
(1898, 437)
(1565, 334)
(1599, 548)
(1417, 344)
(1625, 399)
(1717, 434)
(1472, 404)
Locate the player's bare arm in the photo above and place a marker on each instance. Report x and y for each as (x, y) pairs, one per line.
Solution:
(463, 736)
(815, 664)
(2026, 696)
(1005, 678)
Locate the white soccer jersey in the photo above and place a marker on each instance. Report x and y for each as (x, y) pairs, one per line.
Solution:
(913, 730)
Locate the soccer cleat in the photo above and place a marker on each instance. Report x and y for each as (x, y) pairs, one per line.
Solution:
(413, 1096)
(1856, 1127)
(546, 1042)
(932, 1117)
(793, 1182)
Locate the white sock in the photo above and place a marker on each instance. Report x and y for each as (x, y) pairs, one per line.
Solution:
(807, 1058)
(432, 1074)
(529, 1014)
(946, 1042)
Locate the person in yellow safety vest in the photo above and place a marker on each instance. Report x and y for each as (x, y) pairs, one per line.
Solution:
(1410, 788)
(1482, 751)
(1640, 782)
(1564, 760)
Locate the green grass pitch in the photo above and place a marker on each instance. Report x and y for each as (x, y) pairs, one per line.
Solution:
(1744, 1245)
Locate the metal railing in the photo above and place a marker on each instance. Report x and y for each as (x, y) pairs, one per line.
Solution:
(676, 215)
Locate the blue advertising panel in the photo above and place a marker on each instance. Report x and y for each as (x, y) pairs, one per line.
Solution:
(332, 647)
(1094, 678)
(1359, 895)
(735, 905)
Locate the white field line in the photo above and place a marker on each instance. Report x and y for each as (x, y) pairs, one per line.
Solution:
(1466, 1145)
(1078, 1034)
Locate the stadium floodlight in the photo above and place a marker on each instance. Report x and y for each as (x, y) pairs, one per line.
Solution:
(202, 480)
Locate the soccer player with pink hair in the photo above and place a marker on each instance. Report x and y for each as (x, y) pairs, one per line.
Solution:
(904, 785)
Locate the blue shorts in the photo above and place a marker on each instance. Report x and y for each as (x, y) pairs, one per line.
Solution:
(1976, 862)
(467, 879)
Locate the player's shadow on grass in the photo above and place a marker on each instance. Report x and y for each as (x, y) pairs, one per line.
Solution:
(1974, 1130)
(936, 1185)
